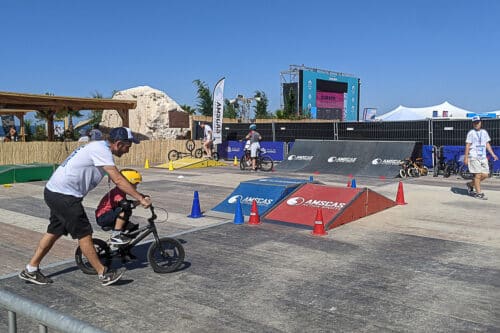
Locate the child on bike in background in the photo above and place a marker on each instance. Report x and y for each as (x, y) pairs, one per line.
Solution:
(254, 137)
(114, 210)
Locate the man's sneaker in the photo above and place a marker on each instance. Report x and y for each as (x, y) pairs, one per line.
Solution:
(480, 196)
(470, 188)
(111, 276)
(119, 239)
(35, 277)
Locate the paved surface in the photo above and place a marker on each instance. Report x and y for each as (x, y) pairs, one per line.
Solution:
(429, 266)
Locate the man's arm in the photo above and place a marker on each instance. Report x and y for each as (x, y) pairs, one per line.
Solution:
(488, 147)
(125, 186)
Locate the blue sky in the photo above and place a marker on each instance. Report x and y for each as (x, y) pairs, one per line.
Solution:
(414, 53)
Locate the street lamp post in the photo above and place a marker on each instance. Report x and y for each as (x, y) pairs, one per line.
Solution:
(244, 103)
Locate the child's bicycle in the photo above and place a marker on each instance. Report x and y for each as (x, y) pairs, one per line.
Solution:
(263, 162)
(165, 254)
(198, 153)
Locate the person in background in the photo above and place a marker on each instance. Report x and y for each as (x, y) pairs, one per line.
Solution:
(11, 135)
(476, 145)
(254, 137)
(95, 134)
(207, 139)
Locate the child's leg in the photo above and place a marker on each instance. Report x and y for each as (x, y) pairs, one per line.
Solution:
(120, 222)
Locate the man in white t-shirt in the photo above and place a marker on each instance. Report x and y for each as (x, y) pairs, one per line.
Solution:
(82, 171)
(476, 145)
(207, 139)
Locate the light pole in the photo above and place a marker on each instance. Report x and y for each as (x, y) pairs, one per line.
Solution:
(244, 104)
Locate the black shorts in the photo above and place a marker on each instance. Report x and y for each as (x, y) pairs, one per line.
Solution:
(67, 215)
(108, 219)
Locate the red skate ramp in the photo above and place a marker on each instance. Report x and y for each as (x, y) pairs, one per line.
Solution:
(339, 205)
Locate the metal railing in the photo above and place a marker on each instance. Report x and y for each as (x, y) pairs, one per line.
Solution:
(44, 316)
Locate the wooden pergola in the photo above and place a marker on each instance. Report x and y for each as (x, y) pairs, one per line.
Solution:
(19, 104)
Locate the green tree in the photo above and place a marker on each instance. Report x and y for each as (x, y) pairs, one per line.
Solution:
(188, 109)
(96, 115)
(205, 100)
(290, 109)
(261, 104)
(230, 109)
(28, 131)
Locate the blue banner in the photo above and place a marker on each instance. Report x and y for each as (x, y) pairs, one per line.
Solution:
(230, 149)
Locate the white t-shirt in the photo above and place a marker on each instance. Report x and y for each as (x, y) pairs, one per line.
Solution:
(82, 170)
(207, 132)
(477, 140)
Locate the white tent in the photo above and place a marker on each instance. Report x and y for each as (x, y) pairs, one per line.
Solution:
(445, 110)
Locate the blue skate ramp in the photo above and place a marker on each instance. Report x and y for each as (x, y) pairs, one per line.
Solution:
(266, 192)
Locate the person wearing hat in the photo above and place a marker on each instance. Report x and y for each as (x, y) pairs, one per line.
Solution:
(477, 144)
(82, 171)
(254, 137)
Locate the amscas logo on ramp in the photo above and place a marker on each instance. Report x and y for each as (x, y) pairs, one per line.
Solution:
(337, 159)
(300, 201)
(249, 200)
(300, 158)
(379, 161)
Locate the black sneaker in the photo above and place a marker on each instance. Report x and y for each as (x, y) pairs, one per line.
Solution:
(35, 277)
(119, 239)
(470, 188)
(111, 276)
(480, 196)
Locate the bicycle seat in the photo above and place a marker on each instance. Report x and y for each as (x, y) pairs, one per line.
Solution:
(107, 228)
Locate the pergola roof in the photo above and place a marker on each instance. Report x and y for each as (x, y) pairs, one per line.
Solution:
(15, 103)
(9, 100)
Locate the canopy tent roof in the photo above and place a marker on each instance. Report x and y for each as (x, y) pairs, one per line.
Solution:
(408, 113)
(51, 104)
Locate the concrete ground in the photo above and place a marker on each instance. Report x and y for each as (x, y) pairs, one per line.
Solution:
(429, 266)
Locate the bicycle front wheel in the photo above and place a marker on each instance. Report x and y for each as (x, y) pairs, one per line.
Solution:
(266, 163)
(103, 252)
(198, 153)
(166, 256)
(173, 155)
(215, 156)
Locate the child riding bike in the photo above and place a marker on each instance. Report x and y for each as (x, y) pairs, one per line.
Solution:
(114, 210)
(254, 138)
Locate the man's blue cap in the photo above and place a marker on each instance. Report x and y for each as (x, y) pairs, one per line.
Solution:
(476, 118)
(122, 134)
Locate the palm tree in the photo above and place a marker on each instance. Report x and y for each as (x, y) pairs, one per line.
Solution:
(205, 100)
(96, 115)
(188, 109)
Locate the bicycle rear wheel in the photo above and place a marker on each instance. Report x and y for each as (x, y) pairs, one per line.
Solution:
(215, 156)
(265, 163)
(402, 173)
(103, 252)
(166, 256)
(173, 155)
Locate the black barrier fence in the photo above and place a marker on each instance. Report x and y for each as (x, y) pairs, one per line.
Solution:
(438, 132)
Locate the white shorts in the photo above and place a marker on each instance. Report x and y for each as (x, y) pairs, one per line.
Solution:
(254, 148)
(477, 165)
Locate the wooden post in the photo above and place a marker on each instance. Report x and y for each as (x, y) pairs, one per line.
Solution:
(50, 125)
(22, 133)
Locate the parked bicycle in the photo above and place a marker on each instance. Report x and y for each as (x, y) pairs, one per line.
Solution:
(263, 162)
(174, 155)
(165, 254)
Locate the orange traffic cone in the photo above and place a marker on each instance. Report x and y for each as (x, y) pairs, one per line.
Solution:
(319, 226)
(254, 214)
(400, 197)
